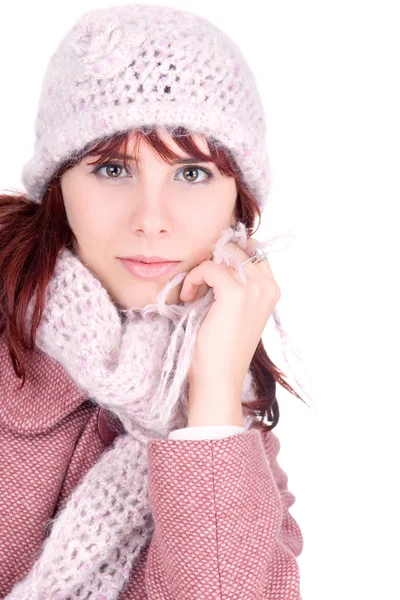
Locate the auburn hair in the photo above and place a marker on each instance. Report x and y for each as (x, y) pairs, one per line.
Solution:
(32, 234)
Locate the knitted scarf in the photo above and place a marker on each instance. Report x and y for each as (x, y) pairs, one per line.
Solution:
(134, 363)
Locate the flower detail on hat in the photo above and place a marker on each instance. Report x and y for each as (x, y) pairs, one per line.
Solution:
(101, 47)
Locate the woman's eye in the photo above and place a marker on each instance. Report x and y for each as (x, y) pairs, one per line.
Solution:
(192, 174)
(112, 170)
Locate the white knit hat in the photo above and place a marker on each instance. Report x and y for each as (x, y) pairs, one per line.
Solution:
(147, 65)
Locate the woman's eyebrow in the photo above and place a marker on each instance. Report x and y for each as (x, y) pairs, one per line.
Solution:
(177, 161)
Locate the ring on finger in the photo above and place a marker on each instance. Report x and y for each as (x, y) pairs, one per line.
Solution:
(258, 256)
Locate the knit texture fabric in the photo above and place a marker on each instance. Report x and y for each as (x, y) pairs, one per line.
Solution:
(141, 65)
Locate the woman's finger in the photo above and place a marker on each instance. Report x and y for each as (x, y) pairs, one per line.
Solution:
(207, 272)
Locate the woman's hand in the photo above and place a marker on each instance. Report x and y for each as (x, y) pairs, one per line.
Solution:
(232, 329)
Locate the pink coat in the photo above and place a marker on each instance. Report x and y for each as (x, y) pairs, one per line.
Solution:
(220, 507)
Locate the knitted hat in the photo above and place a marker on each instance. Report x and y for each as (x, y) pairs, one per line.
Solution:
(141, 65)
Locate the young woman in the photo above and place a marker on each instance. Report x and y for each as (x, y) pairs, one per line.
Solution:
(135, 459)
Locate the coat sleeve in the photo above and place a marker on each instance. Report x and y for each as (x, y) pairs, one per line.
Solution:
(222, 527)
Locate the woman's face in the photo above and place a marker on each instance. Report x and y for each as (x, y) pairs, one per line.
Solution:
(154, 209)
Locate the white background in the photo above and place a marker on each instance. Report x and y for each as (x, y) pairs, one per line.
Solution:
(328, 73)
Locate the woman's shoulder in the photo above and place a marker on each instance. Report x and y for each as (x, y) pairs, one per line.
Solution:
(48, 396)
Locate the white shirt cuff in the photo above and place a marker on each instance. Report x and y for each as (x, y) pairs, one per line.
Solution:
(207, 432)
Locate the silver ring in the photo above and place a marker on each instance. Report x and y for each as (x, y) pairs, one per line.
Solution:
(258, 256)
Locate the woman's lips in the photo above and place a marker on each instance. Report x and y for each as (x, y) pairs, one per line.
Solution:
(148, 270)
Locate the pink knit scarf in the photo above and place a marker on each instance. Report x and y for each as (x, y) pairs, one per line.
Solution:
(133, 363)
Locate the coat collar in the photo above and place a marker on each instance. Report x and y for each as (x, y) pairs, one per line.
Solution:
(49, 394)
